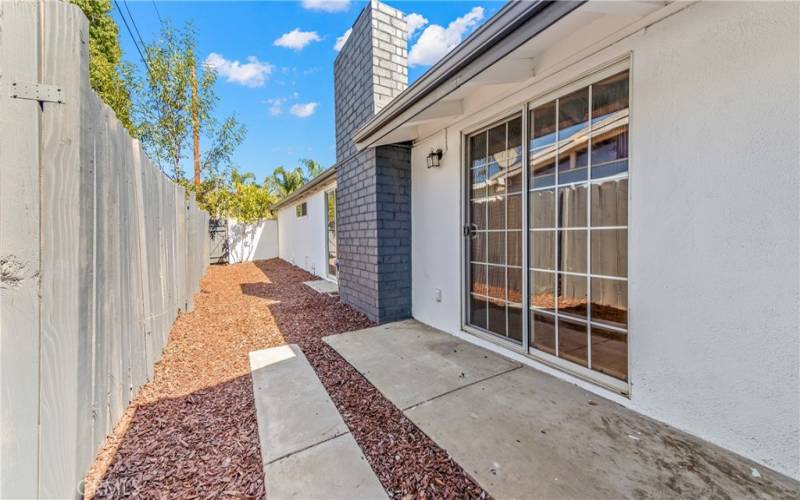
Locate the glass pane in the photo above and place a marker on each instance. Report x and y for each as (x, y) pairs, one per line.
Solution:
(497, 317)
(496, 166)
(497, 282)
(542, 144)
(610, 96)
(572, 338)
(610, 203)
(477, 179)
(541, 245)
(515, 285)
(609, 143)
(610, 252)
(497, 212)
(573, 128)
(514, 207)
(477, 275)
(514, 248)
(610, 302)
(542, 208)
(542, 290)
(543, 335)
(572, 295)
(572, 209)
(477, 150)
(497, 247)
(478, 214)
(514, 155)
(477, 247)
(612, 169)
(477, 308)
(610, 352)
(572, 251)
(515, 322)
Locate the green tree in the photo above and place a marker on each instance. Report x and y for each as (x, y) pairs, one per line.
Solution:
(284, 182)
(312, 167)
(109, 76)
(163, 108)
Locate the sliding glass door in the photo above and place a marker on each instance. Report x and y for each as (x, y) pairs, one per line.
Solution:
(577, 228)
(494, 230)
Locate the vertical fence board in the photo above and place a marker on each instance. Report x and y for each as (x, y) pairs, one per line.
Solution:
(103, 274)
(65, 37)
(116, 334)
(88, 127)
(141, 166)
(19, 253)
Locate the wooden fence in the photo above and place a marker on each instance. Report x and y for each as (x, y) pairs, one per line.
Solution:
(99, 251)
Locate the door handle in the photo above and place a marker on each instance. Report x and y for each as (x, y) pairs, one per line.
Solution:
(470, 231)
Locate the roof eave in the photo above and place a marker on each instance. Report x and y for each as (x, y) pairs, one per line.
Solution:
(509, 19)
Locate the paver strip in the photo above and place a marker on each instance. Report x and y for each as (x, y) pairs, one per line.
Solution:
(306, 448)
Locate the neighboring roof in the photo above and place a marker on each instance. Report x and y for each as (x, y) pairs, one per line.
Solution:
(306, 188)
(488, 44)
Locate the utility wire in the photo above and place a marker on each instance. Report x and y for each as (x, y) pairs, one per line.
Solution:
(133, 38)
(158, 14)
(133, 21)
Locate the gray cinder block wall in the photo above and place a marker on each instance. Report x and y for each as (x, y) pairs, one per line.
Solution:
(373, 202)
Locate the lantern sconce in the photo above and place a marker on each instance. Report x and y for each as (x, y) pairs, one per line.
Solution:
(434, 158)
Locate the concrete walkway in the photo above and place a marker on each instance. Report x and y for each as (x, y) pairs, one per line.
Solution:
(323, 286)
(307, 450)
(524, 434)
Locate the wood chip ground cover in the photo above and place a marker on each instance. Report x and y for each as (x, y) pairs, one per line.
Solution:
(191, 432)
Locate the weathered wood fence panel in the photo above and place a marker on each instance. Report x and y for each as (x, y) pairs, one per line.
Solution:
(99, 251)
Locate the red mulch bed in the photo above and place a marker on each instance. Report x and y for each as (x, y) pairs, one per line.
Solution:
(192, 433)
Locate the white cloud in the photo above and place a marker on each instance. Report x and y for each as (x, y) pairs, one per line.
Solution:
(340, 41)
(275, 105)
(436, 41)
(327, 5)
(253, 73)
(297, 39)
(304, 110)
(414, 21)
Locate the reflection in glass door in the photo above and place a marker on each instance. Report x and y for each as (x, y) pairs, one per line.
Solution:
(494, 230)
(330, 231)
(576, 267)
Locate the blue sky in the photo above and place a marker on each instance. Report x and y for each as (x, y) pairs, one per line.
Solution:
(278, 81)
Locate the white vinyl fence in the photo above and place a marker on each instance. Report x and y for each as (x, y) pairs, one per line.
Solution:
(249, 242)
(98, 251)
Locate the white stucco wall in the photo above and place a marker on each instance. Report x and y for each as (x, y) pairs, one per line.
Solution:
(714, 292)
(248, 242)
(301, 240)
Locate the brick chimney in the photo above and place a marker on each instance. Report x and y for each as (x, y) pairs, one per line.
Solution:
(373, 202)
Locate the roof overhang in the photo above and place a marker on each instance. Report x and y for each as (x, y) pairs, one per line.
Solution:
(520, 45)
(308, 188)
(513, 25)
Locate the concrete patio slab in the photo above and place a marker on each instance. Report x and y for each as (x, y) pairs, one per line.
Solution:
(332, 469)
(307, 450)
(410, 362)
(323, 286)
(525, 434)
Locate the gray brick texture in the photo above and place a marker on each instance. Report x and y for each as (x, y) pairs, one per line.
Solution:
(373, 196)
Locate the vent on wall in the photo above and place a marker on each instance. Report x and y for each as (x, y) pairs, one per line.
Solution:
(301, 210)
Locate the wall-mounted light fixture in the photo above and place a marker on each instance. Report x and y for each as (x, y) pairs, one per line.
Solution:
(434, 158)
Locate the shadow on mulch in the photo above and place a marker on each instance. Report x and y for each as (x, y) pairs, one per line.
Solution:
(211, 433)
(407, 462)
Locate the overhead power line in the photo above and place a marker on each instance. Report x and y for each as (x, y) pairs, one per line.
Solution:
(133, 38)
